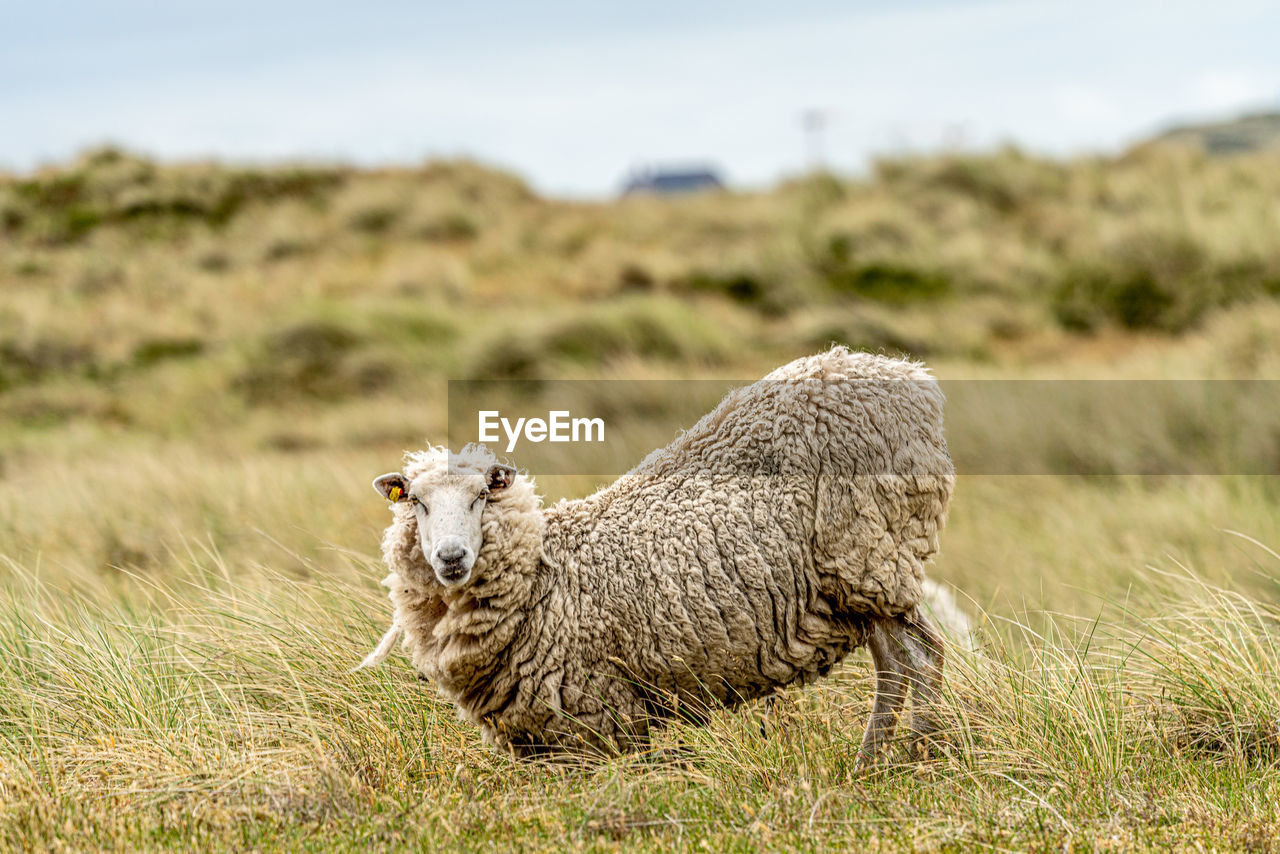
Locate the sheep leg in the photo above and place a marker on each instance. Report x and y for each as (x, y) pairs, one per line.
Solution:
(891, 692)
(919, 649)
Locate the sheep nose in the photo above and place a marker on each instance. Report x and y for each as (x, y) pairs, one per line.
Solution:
(450, 553)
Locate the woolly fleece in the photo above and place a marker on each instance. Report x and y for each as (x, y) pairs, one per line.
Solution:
(752, 552)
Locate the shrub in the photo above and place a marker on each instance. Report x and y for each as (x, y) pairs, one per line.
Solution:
(316, 359)
(315, 341)
(109, 186)
(1005, 181)
(447, 226)
(1089, 297)
(282, 248)
(507, 356)
(880, 281)
(635, 277)
(28, 363)
(374, 218)
(648, 328)
(1156, 282)
(739, 285)
(868, 335)
(214, 261)
(651, 329)
(155, 350)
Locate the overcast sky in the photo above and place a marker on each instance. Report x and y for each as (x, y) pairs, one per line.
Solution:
(574, 94)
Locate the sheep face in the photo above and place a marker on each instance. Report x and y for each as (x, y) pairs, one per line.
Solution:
(447, 509)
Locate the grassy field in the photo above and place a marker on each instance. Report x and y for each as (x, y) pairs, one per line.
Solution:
(203, 366)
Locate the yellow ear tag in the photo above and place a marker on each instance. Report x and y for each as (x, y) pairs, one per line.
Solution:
(396, 492)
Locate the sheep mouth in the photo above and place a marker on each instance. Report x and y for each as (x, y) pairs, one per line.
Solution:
(453, 574)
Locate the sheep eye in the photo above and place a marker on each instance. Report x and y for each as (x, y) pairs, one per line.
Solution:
(478, 499)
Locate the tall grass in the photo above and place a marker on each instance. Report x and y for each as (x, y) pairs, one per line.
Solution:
(201, 368)
(199, 709)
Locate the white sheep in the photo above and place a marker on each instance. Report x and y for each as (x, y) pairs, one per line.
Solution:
(786, 528)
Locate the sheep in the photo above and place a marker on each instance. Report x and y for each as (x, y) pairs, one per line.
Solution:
(785, 529)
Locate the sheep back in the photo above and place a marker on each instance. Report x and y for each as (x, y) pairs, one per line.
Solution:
(754, 550)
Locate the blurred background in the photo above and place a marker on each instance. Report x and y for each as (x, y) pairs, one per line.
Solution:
(245, 246)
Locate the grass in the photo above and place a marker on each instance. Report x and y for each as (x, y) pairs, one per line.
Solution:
(195, 709)
(202, 368)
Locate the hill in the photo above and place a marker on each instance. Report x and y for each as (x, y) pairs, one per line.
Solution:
(1257, 132)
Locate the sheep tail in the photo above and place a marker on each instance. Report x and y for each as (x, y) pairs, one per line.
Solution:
(383, 649)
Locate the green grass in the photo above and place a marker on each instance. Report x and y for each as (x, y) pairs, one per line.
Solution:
(202, 368)
(197, 710)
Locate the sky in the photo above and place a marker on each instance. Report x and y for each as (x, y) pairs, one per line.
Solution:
(573, 95)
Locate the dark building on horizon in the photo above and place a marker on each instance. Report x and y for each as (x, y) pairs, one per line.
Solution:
(667, 181)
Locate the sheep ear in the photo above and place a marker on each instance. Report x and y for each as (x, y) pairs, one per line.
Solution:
(500, 477)
(393, 487)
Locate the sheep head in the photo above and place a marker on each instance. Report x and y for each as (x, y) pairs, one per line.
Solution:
(447, 506)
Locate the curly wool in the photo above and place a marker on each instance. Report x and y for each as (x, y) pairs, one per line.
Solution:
(752, 552)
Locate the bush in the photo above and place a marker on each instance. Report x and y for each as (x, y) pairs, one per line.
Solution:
(1006, 181)
(447, 227)
(636, 278)
(878, 281)
(374, 218)
(214, 261)
(740, 286)
(507, 356)
(1145, 282)
(316, 359)
(647, 328)
(22, 364)
(1088, 298)
(867, 335)
(110, 186)
(155, 350)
